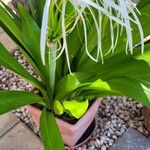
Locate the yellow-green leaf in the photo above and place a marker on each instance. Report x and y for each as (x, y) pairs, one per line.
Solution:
(76, 108)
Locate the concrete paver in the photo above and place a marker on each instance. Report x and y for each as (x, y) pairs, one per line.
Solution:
(20, 138)
(7, 121)
(7, 42)
(131, 140)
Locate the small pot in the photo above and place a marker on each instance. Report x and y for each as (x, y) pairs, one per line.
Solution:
(146, 114)
(71, 133)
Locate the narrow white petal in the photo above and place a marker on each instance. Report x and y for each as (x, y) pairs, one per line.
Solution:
(104, 11)
(140, 29)
(64, 34)
(100, 16)
(44, 30)
(117, 34)
(125, 16)
(99, 48)
(85, 36)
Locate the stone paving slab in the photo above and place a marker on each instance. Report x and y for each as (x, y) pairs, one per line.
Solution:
(20, 138)
(7, 121)
(7, 42)
(132, 140)
(1, 30)
(6, 1)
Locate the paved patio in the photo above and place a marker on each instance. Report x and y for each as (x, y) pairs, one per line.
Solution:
(14, 135)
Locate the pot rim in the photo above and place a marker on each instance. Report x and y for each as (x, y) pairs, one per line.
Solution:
(96, 102)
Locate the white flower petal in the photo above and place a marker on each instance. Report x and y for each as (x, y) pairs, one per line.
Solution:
(44, 30)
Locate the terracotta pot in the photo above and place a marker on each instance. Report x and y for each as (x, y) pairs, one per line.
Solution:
(146, 114)
(71, 133)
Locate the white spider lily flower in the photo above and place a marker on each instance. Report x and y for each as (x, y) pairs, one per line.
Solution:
(116, 10)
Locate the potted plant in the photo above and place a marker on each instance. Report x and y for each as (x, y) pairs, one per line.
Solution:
(77, 48)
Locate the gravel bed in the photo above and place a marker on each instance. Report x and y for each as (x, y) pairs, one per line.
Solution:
(114, 116)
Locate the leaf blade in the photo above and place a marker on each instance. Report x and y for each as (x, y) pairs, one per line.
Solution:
(10, 100)
(50, 132)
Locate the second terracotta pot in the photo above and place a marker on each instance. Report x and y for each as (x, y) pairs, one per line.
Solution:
(146, 114)
(71, 133)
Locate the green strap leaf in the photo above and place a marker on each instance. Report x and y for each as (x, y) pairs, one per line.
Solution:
(10, 100)
(70, 83)
(15, 17)
(26, 33)
(50, 133)
(66, 85)
(7, 60)
(132, 88)
(39, 4)
(145, 56)
(136, 89)
(30, 33)
(10, 22)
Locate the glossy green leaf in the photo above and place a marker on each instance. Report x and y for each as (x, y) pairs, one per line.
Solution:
(145, 56)
(50, 133)
(136, 89)
(76, 108)
(10, 100)
(121, 65)
(97, 88)
(143, 3)
(30, 34)
(15, 17)
(39, 10)
(32, 9)
(13, 28)
(66, 85)
(131, 88)
(10, 22)
(58, 108)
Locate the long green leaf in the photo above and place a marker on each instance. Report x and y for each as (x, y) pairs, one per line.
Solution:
(10, 22)
(16, 18)
(30, 33)
(50, 133)
(39, 11)
(143, 3)
(26, 35)
(145, 56)
(131, 88)
(10, 100)
(66, 85)
(120, 86)
(72, 82)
